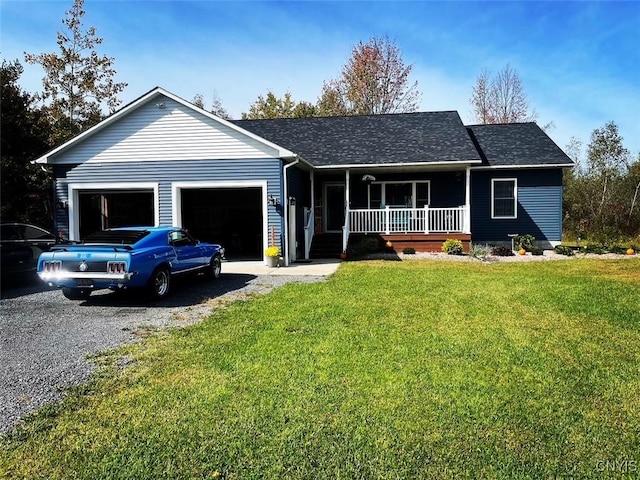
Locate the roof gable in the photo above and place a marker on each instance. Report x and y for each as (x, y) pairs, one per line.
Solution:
(516, 144)
(161, 126)
(394, 139)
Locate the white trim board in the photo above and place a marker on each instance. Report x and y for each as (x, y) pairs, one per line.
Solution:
(73, 190)
(176, 200)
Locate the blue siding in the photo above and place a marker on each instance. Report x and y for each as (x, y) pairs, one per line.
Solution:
(165, 173)
(539, 205)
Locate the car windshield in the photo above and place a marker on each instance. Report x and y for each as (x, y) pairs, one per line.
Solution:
(116, 237)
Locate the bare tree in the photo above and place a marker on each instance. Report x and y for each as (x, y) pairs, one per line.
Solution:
(78, 82)
(501, 99)
(216, 105)
(374, 80)
(217, 108)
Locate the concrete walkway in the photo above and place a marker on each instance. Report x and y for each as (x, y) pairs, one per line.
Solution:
(320, 267)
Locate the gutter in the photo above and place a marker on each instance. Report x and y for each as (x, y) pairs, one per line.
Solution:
(286, 209)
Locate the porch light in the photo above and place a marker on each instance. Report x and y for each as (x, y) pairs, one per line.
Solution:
(368, 178)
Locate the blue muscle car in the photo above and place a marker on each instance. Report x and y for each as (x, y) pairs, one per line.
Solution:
(145, 257)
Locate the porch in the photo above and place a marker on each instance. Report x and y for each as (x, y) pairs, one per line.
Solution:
(423, 229)
(411, 209)
(425, 220)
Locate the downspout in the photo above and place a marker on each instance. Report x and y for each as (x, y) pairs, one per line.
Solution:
(286, 210)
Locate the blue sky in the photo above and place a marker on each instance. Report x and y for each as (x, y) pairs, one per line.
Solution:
(579, 61)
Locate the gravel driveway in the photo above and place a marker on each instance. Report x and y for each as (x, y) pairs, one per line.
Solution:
(45, 338)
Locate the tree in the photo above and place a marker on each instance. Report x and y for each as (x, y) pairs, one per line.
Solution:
(601, 195)
(501, 99)
(375, 80)
(198, 101)
(216, 105)
(78, 82)
(26, 187)
(273, 107)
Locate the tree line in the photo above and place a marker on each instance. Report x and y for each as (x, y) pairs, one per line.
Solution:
(601, 195)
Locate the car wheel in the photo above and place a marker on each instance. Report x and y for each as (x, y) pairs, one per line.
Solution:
(215, 268)
(160, 283)
(76, 293)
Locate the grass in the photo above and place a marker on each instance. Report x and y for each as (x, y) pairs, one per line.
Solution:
(387, 370)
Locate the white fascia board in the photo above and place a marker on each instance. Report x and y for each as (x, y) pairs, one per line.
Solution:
(399, 165)
(282, 152)
(512, 167)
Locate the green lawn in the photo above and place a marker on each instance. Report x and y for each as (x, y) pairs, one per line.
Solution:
(410, 369)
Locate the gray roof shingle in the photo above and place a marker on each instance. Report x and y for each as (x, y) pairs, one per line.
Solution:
(425, 137)
(516, 144)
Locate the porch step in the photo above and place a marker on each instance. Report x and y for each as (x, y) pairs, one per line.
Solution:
(326, 245)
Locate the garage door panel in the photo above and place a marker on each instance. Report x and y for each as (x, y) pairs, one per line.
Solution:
(229, 216)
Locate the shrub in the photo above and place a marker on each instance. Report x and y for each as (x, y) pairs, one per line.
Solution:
(451, 246)
(594, 248)
(370, 245)
(564, 250)
(526, 242)
(409, 251)
(481, 252)
(537, 251)
(502, 251)
(618, 249)
(366, 246)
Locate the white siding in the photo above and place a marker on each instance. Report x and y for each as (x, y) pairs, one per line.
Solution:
(175, 132)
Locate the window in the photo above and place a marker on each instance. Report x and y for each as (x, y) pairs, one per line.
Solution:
(504, 198)
(399, 194)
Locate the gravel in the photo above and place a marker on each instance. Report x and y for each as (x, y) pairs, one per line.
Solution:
(45, 339)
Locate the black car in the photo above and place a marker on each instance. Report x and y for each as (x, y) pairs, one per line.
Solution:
(21, 245)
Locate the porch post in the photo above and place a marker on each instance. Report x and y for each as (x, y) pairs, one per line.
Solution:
(467, 202)
(347, 198)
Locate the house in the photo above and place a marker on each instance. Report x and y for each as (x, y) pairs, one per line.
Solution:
(415, 179)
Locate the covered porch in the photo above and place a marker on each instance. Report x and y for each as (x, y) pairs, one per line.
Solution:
(418, 209)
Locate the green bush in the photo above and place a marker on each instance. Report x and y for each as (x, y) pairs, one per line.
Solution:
(619, 249)
(502, 251)
(526, 242)
(451, 246)
(537, 251)
(409, 251)
(594, 248)
(564, 250)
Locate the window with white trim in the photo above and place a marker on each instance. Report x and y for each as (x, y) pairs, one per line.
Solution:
(406, 194)
(504, 198)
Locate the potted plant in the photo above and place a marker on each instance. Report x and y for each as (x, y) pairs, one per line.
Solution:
(273, 255)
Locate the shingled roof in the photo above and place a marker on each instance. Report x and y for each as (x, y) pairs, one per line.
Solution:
(408, 138)
(516, 144)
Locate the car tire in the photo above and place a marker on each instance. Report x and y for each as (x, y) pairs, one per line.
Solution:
(76, 293)
(214, 269)
(160, 283)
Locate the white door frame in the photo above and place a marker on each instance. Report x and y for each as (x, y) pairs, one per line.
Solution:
(74, 190)
(176, 202)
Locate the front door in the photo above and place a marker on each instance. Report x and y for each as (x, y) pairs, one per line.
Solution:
(333, 207)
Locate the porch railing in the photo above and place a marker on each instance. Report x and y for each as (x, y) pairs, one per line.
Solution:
(408, 220)
(308, 231)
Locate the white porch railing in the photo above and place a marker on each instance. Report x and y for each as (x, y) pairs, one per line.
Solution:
(308, 231)
(408, 220)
